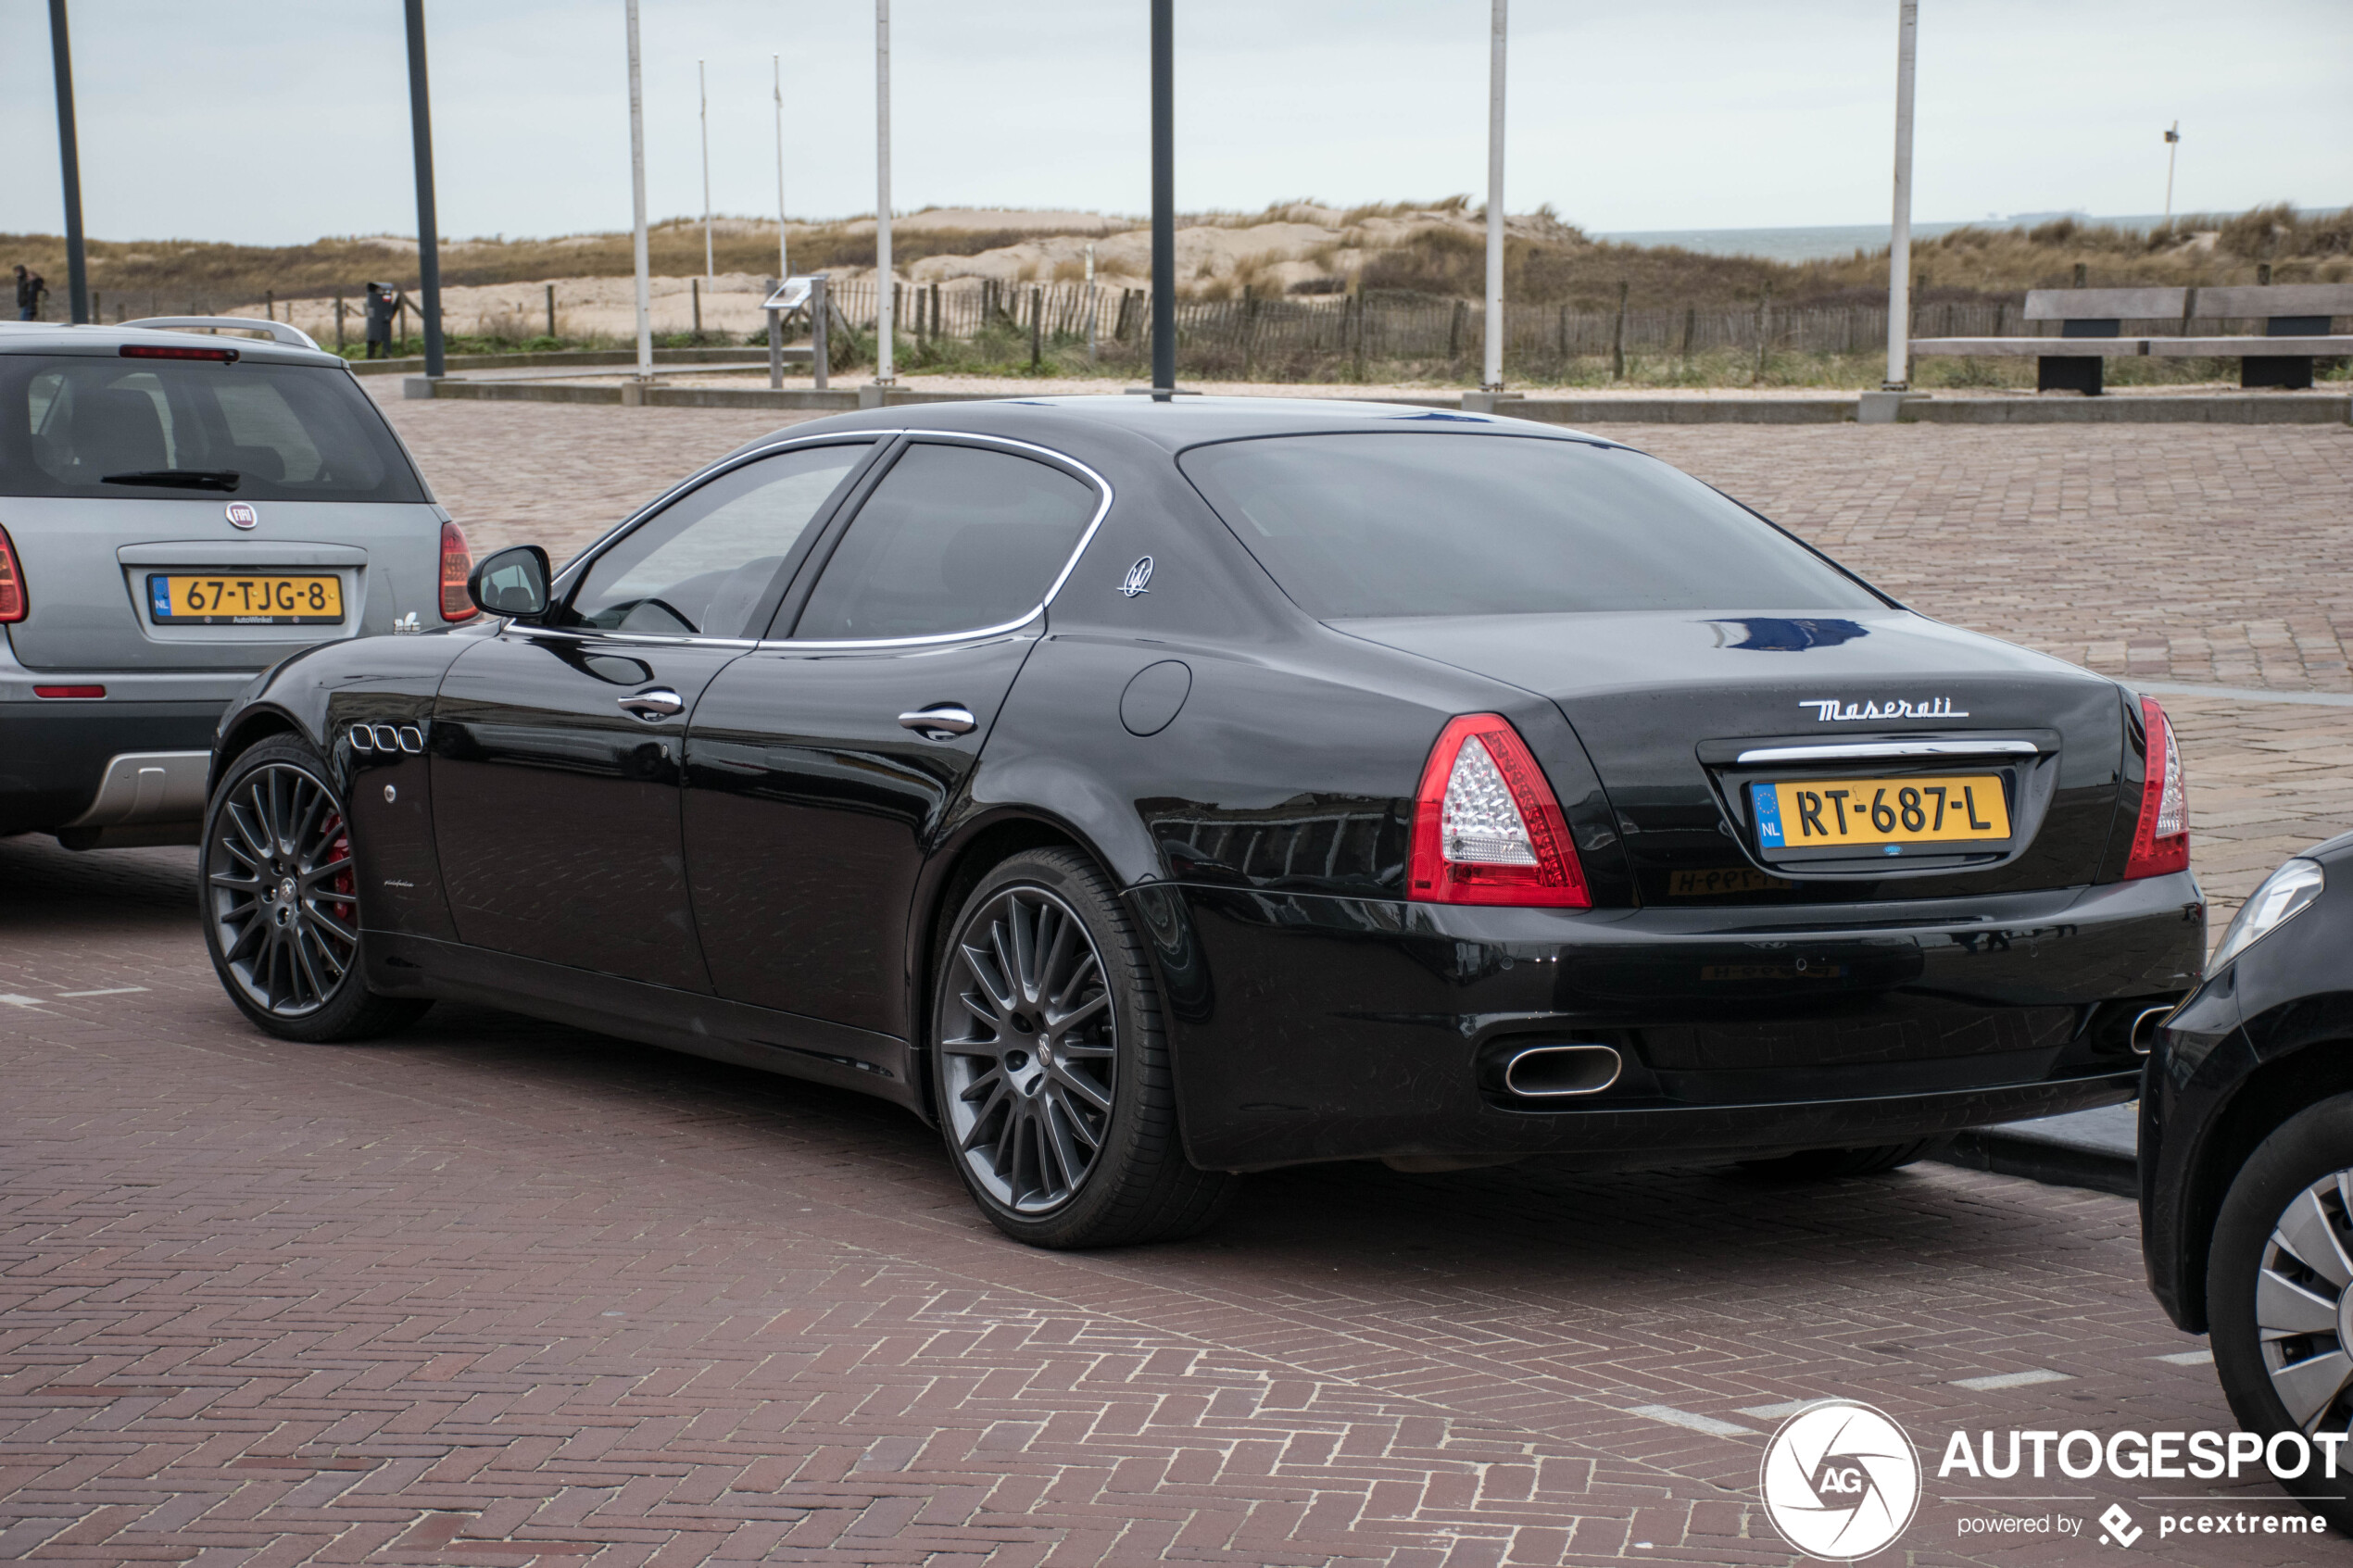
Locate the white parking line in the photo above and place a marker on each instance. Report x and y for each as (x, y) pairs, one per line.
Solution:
(1706, 1424)
(109, 991)
(15, 1001)
(1775, 1412)
(2187, 1358)
(2011, 1380)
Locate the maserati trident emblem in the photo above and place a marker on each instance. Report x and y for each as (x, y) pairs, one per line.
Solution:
(242, 515)
(1830, 711)
(1139, 577)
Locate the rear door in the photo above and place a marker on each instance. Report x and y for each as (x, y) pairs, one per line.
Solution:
(204, 513)
(558, 749)
(822, 767)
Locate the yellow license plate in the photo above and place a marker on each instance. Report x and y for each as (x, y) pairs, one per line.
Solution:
(245, 600)
(1870, 813)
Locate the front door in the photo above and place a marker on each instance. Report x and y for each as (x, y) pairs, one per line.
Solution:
(558, 749)
(822, 767)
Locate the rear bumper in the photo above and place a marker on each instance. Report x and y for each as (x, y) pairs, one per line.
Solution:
(1314, 1029)
(106, 772)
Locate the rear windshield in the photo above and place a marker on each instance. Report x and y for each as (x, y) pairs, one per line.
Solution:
(1424, 523)
(91, 426)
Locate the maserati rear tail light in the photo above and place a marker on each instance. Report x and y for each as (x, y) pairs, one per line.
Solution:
(2161, 837)
(13, 603)
(456, 565)
(1487, 829)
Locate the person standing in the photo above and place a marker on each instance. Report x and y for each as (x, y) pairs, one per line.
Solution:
(31, 286)
(382, 300)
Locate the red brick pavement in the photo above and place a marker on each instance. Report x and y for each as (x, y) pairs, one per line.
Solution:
(498, 1292)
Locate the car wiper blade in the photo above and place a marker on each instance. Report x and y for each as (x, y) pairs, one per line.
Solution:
(179, 479)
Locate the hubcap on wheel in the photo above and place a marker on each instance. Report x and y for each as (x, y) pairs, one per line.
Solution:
(2304, 1305)
(280, 890)
(1027, 1050)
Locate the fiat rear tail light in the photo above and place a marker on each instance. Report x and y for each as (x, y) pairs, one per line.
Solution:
(157, 351)
(1486, 827)
(456, 565)
(13, 603)
(2161, 837)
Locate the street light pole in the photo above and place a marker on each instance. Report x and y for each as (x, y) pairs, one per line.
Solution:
(1491, 375)
(702, 91)
(782, 269)
(2173, 150)
(637, 196)
(882, 290)
(69, 155)
(428, 225)
(1164, 203)
(1899, 248)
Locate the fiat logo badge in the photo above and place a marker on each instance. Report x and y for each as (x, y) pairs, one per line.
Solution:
(242, 515)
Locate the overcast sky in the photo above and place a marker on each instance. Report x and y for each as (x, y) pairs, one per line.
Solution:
(280, 121)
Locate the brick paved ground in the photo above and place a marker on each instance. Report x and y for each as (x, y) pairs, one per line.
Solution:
(501, 1293)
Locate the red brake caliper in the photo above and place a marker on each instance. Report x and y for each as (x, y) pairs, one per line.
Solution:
(339, 848)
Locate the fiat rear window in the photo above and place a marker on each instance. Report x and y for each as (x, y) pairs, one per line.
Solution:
(1424, 523)
(92, 426)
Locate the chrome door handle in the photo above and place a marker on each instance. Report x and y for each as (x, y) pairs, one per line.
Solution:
(943, 722)
(656, 702)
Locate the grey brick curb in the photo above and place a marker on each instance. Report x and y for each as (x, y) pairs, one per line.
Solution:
(2089, 1148)
(2221, 408)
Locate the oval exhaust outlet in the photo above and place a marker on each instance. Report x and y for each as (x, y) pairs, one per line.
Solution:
(2144, 1028)
(1552, 1071)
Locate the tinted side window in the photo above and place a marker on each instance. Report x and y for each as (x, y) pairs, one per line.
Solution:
(92, 426)
(954, 539)
(701, 565)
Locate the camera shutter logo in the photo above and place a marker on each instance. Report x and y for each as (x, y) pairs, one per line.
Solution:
(1840, 1480)
(242, 515)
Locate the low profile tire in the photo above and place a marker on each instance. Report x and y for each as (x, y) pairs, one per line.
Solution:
(281, 901)
(1832, 1164)
(2278, 1292)
(1050, 1066)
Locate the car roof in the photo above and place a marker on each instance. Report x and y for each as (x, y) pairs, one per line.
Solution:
(1180, 422)
(54, 337)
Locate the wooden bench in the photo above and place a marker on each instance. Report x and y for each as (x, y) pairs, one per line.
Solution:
(2297, 316)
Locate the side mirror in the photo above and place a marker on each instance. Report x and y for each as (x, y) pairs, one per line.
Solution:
(512, 581)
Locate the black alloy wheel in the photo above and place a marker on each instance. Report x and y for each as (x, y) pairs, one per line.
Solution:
(1050, 1066)
(281, 900)
(2279, 1293)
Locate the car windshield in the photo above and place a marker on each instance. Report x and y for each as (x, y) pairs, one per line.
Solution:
(90, 426)
(1424, 523)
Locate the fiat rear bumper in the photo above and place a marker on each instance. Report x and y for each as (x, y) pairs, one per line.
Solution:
(1311, 1028)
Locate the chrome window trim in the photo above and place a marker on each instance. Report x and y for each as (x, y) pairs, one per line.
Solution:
(1086, 537)
(864, 437)
(1862, 750)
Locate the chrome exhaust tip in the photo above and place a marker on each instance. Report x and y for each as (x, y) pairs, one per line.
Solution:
(1559, 1072)
(2144, 1028)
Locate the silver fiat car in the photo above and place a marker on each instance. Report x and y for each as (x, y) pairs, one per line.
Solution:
(179, 511)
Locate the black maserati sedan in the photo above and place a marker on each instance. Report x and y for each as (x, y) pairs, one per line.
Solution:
(2246, 1163)
(1148, 791)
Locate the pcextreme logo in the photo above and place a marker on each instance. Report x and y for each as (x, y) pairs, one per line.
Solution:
(1840, 1480)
